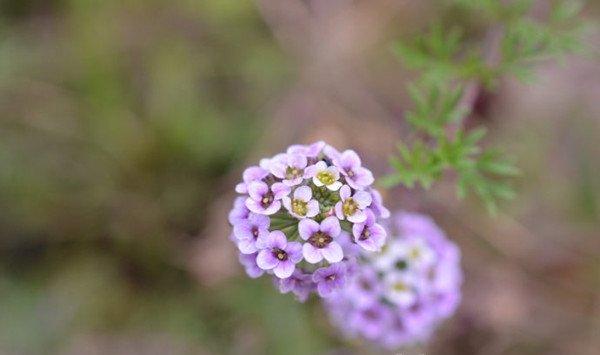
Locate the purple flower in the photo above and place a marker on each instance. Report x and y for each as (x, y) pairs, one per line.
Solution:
(414, 225)
(320, 240)
(447, 276)
(352, 207)
(330, 279)
(290, 168)
(350, 166)
(251, 174)
(351, 249)
(372, 320)
(368, 234)
(248, 231)
(420, 318)
(249, 263)
(400, 295)
(377, 205)
(318, 186)
(300, 284)
(311, 151)
(278, 255)
(330, 152)
(239, 212)
(365, 287)
(302, 205)
(264, 199)
(323, 175)
(398, 334)
(445, 302)
(401, 288)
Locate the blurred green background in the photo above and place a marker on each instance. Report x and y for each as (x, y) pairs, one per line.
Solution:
(124, 125)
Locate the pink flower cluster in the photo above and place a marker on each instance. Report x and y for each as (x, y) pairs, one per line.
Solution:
(400, 295)
(301, 216)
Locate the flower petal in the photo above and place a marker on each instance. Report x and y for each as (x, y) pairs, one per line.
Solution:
(321, 165)
(294, 181)
(370, 217)
(247, 246)
(345, 192)
(368, 244)
(357, 230)
(335, 186)
(265, 260)
(294, 251)
(284, 269)
(257, 189)
(362, 198)
(287, 203)
(264, 241)
(254, 173)
(307, 227)
(312, 208)
(280, 189)
(333, 252)
(273, 208)
(265, 164)
(338, 211)
(243, 230)
(331, 226)
(277, 240)
(259, 220)
(378, 232)
(350, 159)
(311, 254)
(287, 285)
(303, 193)
(333, 170)
(241, 188)
(254, 206)
(324, 289)
(358, 217)
(310, 171)
(331, 152)
(297, 161)
(317, 182)
(363, 177)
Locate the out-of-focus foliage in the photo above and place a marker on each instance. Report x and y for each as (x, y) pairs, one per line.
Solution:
(450, 65)
(118, 122)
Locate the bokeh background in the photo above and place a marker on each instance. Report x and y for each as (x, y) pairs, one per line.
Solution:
(124, 125)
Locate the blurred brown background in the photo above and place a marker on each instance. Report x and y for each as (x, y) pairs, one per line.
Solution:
(124, 126)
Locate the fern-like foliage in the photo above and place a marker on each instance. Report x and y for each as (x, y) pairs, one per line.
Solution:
(448, 65)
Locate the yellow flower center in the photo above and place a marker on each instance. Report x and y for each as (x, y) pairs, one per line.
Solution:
(280, 254)
(292, 173)
(320, 240)
(326, 177)
(299, 207)
(400, 286)
(349, 207)
(267, 199)
(415, 253)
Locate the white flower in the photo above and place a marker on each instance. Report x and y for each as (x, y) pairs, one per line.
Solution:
(323, 175)
(400, 288)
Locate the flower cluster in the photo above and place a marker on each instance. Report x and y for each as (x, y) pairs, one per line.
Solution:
(401, 294)
(302, 216)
